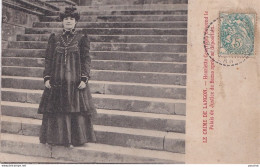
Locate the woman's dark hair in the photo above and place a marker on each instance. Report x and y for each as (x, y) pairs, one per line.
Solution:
(70, 12)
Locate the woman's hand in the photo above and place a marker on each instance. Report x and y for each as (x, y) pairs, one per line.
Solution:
(82, 85)
(47, 84)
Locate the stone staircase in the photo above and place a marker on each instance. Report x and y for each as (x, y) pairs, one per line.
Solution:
(138, 52)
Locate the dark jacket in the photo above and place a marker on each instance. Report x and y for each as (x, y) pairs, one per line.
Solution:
(67, 63)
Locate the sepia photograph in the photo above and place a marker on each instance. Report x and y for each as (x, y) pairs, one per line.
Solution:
(93, 81)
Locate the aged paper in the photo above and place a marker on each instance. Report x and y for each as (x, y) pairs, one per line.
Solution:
(223, 82)
(140, 123)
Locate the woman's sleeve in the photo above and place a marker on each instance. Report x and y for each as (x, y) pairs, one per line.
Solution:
(85, 58)
(48, 58)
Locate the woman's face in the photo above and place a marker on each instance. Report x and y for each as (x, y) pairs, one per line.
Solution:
(69, 23)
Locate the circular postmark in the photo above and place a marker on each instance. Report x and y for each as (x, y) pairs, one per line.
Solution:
(235, 39)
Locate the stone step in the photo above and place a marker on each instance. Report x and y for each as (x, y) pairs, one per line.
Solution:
(140, 47)
(135, 2)
(16, 158)
(89, 153)
(141, 66)
(134, 12)
(150, 7)
(108, 102)
(101, 87)
(173, 24)
(129, 12)
(107, 46)
(127, 119)
(119, 18)
(115, 38)
(107, 75)
(105, 55)
(126, 137)
(113, 31)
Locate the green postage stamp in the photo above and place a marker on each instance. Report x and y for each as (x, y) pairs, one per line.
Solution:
(237, 34)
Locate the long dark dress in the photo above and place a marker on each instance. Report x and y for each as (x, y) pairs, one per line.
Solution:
(68, 112)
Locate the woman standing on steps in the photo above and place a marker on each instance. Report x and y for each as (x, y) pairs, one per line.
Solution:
(66, 103)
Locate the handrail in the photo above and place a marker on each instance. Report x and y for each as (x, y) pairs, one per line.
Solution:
(14, 6)
(27, 6)
(67, 1)
(47, 4)
(35, 6)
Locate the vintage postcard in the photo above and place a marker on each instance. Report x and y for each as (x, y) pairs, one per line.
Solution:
(94, 81)
(130, 81)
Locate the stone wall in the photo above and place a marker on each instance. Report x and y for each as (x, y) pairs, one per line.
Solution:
(14, 22)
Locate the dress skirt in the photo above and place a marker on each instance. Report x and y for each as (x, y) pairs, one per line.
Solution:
(66, 128)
